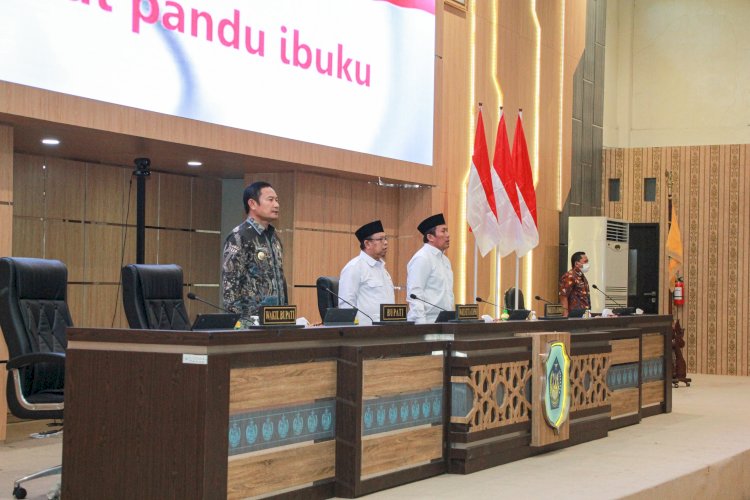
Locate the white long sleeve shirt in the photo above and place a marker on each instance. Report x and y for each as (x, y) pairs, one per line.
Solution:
(365, 283)
(429, 276)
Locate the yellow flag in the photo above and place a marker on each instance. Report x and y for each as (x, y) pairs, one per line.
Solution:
(674, 250)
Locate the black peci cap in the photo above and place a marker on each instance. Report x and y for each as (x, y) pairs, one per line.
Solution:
(430, 222)
(368, 230)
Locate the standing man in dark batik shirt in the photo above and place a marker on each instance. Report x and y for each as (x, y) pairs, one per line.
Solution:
(252, 273)
(574, 287)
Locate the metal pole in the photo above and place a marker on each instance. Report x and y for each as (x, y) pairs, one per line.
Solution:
(141, 172)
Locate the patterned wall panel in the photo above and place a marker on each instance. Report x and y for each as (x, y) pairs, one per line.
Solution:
(588, 381)
(492, 396)
(710, 192)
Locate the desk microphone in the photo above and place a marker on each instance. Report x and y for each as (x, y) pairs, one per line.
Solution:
(412, 296)
(193, 296)
(537, 297)
(603, 293)
(324, 288)
(480, 299)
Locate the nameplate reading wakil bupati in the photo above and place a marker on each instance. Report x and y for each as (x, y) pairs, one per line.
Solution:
(392, 312)
(278, 315)
(467, 312)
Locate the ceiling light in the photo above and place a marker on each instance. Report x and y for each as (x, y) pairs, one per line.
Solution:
(194, 163)
(50, 141)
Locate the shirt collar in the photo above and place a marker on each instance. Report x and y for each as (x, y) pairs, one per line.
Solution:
(433, 250)
(370, 261)
(258, 228)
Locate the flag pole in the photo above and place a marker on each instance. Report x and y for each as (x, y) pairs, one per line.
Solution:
(518, 263)
(497, 283)
(476, 270)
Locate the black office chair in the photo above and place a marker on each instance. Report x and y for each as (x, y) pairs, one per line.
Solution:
(510, 299)
(325, 299)
(152, 297)
(33, 317)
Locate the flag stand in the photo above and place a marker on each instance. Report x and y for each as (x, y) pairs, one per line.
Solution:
(518, 265)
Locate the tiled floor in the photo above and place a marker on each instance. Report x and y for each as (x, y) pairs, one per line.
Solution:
(700, 450)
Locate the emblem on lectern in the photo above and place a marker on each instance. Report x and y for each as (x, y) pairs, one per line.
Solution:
(556, 385)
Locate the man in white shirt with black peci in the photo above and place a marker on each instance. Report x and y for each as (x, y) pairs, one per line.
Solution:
(364, 281)
(429, 274)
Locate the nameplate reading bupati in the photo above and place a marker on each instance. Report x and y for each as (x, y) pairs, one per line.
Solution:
(392, 312)
(278, 315)
(467, 312)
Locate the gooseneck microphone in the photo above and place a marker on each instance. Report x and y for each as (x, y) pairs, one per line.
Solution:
(342, 299)
(480, 299)
(193, 296)
(537, 297)
(412, 296)
(603, 293)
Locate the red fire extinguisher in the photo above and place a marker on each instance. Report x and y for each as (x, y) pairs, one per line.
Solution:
(679, 292)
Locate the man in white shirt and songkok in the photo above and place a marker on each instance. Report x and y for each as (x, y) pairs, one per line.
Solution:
(429, 275)
(364, 280)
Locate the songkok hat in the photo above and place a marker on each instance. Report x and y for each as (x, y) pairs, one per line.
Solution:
(368, 230)
(430, 222)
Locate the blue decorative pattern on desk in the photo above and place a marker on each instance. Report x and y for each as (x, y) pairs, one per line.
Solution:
(622, 376)
(402, 411)
(652, 369)
(263, 429)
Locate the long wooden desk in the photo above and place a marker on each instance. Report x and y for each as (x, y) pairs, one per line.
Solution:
(324, 412)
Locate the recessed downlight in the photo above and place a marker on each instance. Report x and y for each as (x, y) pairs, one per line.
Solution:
(194, 163)
(50, 141)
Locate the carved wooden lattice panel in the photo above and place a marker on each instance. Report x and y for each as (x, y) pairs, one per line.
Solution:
(588, 381)
(499, 394)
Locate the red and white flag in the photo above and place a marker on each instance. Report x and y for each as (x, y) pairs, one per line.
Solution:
(529, 237)
(480, 199)
(506, 194)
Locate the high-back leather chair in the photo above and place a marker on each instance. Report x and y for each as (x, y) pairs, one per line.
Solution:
(152, 297)
(510, 299)
(325, 299)
(34, 317)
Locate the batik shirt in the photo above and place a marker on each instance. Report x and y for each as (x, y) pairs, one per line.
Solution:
(575, 286)
(252, 273)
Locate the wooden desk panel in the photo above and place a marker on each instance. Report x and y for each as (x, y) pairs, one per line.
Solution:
(142, 418)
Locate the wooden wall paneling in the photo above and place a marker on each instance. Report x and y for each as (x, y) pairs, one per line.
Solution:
(6, 164)
(28, 237)
(206, 204)
(175, 248)
(65, 181)
(28, 186)
(709, 189)
(6, 245)
(106, 189)
(318, 253)
(101, 303)
(6, 234)
(75, 303)
(364, 204)
(204, 265)
(103, 245)
(175, 200)
(414, 206)
(139, 129)
(323, 203)
(64, 241)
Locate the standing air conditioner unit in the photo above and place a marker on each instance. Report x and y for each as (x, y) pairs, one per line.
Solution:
(605, 242)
